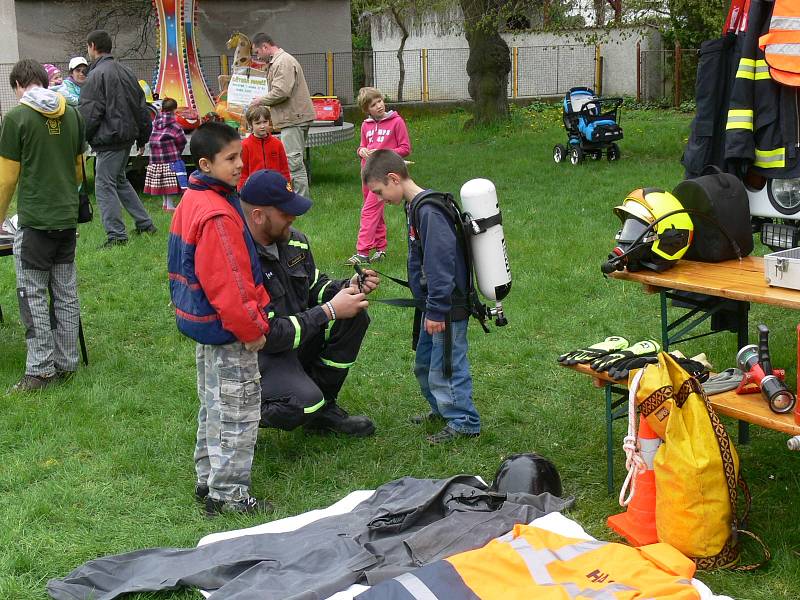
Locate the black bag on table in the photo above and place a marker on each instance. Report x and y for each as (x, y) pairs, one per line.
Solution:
(723, 198)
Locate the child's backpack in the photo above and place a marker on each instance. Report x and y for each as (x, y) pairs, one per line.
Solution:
(466, 303)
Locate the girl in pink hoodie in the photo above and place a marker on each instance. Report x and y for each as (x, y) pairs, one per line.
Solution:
(381, 129)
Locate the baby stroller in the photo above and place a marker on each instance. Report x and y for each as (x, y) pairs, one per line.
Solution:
(592, 126)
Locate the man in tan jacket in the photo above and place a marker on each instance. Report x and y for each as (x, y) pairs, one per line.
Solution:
(290, 103)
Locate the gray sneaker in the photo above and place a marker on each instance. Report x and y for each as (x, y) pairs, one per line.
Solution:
(31, 383)
(248, 506)
(448, 434)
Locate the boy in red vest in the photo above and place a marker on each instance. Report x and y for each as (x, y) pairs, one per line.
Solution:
(220, 302)
(261, 149)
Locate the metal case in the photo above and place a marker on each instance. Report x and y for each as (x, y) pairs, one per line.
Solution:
(782, 269)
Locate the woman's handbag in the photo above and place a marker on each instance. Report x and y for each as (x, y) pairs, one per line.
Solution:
(85, 211)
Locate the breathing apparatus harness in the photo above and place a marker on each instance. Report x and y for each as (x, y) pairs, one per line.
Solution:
(464, 304)
(617, 258)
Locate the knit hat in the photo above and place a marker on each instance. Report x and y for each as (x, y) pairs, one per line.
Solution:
(52, 71)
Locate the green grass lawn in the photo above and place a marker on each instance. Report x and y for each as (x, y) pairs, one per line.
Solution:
(104, 464)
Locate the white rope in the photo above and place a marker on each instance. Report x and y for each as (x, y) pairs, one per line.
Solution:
(634, 462)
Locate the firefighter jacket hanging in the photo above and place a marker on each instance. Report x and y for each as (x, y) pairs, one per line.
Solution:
(404, 524)
(763, 124)
(530, 562)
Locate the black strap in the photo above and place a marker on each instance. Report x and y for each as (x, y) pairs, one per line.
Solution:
(402, 282)
(481, 225)
(83, 172)
(447, 367)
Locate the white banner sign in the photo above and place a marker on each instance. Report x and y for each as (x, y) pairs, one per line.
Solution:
(244, 88)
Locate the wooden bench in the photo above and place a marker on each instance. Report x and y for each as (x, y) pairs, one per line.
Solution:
(750, 408)
(730, 286)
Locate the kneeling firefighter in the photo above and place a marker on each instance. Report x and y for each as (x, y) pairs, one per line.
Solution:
(316, 325)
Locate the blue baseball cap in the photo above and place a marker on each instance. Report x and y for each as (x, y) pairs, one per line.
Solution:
(270, 188)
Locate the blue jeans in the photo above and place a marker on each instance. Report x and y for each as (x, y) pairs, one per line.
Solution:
(449, 398)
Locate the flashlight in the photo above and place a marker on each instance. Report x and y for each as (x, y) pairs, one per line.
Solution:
(757, 366)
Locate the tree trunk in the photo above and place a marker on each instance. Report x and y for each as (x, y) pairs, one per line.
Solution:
(489, 62)
(600, 13)
(398, 18)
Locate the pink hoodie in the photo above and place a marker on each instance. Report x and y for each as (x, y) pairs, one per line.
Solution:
(389, 133)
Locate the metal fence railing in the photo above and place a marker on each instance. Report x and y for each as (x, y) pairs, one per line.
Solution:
(663, 78)
(428, 74)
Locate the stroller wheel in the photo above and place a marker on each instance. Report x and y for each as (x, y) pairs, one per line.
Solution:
(575, 155)
(559, 153)
(613, 153)
(596, 154)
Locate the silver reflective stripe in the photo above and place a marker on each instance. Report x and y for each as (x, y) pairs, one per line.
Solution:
(415, 587)
(786, 23)
(570, 552)
(535, 560)
(787, 49)
(507, 537)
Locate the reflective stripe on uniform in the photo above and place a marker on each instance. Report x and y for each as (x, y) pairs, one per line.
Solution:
(770, 159)
(298, 244)
(785, 49)
(319, 297)
(296, 324)
(336, 365)
(740, 119)
(316, 278)
(746, 69)
(328, 330)
(762, 70)
(312, 409)
(270, 314)
(415, 587)
(537, 560)
(786, 23)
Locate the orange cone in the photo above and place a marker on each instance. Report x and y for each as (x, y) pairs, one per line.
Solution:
(638, 523)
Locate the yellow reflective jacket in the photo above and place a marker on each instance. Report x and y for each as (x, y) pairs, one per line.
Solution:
(530, 562)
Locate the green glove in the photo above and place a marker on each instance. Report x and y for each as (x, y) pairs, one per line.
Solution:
(604, 363)
(585, 355)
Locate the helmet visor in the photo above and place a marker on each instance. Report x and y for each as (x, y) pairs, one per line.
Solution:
(632, 228)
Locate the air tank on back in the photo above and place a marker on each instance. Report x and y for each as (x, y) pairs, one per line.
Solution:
(487, 242)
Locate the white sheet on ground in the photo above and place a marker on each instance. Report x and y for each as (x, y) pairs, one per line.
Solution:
(555, 522)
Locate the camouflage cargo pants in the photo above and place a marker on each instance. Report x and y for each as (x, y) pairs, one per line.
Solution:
(228, 385)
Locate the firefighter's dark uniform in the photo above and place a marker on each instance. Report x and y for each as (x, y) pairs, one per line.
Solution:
(763, 125)
(307, 357)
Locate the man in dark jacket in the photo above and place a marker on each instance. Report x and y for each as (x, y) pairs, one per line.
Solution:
(316, 325)
(115, 111)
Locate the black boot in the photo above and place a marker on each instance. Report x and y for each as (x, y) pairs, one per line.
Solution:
(335, 419)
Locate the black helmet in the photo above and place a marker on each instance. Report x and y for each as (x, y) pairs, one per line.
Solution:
(529, 473)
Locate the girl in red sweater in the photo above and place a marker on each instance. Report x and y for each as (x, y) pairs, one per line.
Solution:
(262, 150)
(381, 129)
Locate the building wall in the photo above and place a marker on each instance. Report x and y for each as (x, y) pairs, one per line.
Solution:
(548, 63)
(305, 28)
(9, 51)
(299, 26)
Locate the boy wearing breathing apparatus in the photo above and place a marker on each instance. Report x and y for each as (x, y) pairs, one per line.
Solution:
(437, 276)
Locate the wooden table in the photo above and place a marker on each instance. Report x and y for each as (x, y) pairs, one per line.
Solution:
(730, 286)
(748, 408)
